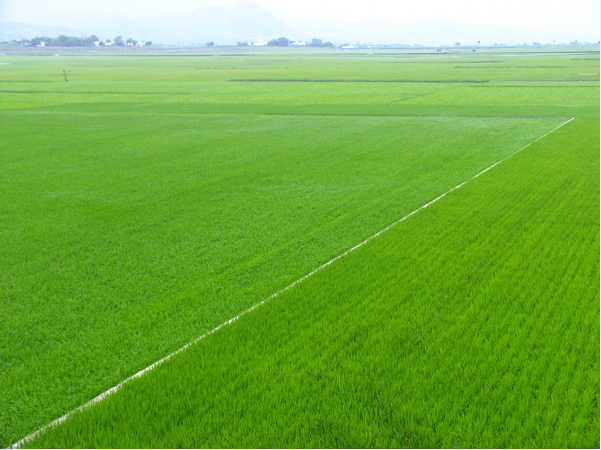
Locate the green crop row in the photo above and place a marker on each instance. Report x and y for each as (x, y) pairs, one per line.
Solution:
(472, 324)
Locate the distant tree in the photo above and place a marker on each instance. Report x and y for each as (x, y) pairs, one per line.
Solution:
(211, 44)
(69, 41)
(457, 44)
(148, 43)
(131, 41)
(118, 41)
(86, 42)
(318, 43)
(61, 41)
(279, 42)
(242, 44)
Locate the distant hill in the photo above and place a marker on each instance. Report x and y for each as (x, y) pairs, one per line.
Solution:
(434, 32)
(243, 21)
(18, 31)
(247, 21)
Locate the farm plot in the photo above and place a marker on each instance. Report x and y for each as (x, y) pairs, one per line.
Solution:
(128, 236)
(494, 94)
(474, 323)
(145, 201)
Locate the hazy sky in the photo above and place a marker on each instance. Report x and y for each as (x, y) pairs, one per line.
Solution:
(572, 14)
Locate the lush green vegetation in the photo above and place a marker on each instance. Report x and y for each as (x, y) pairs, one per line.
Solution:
(479, 333)
(149, 199)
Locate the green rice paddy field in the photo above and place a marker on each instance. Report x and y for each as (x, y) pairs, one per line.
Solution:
(157, 194)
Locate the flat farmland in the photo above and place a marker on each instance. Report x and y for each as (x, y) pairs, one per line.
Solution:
(482, 332)
(149, 199)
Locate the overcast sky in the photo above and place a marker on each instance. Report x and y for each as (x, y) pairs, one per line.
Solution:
(580, 15)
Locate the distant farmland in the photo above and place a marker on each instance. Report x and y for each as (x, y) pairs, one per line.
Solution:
(147, 200)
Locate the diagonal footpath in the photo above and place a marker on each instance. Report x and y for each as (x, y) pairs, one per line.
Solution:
(300, 280)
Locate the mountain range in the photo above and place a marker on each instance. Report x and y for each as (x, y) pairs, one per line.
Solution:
(247, 22)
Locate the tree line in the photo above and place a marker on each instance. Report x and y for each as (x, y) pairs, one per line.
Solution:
(73, 41)
(284, 42)
(94, 41)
